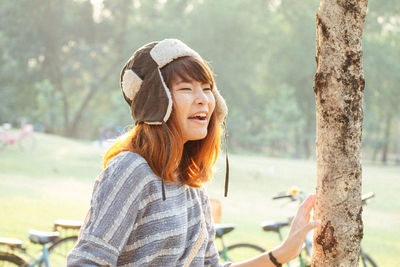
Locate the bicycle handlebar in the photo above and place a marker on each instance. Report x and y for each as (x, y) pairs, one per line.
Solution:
(367, 196)
(296, 194)
(283, 195)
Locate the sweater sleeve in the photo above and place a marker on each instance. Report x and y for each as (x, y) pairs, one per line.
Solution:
(211, 257)
(113, 210)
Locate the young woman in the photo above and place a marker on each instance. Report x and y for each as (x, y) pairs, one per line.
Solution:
(148, 206)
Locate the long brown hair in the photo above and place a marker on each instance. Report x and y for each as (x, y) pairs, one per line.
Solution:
(189, 162)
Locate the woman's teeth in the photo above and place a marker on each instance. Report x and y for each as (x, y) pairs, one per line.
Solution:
(200, 116)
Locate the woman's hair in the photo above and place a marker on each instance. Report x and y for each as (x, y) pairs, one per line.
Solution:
(189, 162)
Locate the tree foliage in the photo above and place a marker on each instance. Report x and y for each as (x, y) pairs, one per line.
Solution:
(60, 65)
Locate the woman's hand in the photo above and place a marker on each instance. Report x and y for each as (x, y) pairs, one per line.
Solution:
(291, 247)
(301, 225)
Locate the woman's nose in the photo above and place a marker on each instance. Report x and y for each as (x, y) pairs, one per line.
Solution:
(201, 96)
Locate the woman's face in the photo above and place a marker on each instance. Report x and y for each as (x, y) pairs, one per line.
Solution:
(194, 104)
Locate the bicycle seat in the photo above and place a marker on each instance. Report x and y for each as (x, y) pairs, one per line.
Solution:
(42, 238)
(11, 242)
(273, 226)
(221, 229)
(67, 224)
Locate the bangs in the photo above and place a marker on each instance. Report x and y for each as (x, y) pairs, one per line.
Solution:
(188, 69)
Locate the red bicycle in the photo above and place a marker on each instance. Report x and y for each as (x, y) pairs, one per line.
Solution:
(23, 137)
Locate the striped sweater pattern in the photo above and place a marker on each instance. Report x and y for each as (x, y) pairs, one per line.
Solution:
(129, 224)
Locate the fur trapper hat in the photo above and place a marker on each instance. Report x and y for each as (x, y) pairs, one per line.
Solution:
(153, 104)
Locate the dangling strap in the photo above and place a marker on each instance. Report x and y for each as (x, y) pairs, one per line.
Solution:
(226, 161)
(166, 160)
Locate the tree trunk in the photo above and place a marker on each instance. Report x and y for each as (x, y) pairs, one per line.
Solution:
(48, 26)
(386, 139)
(306, 142)
(375, 153)
(339, 86)
(73, 130)
(398, 142)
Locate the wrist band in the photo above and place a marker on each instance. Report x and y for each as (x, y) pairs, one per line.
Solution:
(273, 259)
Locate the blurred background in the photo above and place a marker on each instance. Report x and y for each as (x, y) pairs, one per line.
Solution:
(60, 103)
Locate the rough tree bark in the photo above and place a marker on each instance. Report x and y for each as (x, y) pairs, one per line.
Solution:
(339, 86)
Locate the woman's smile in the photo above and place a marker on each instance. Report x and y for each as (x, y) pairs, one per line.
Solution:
(200, 118)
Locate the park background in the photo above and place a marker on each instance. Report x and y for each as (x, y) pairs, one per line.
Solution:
(60, 62)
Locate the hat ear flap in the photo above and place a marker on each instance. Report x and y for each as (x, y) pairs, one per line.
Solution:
(152, 101)
(221, 109)
(130, 84)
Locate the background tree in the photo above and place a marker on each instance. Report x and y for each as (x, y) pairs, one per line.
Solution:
(339, 88)
(60, 66)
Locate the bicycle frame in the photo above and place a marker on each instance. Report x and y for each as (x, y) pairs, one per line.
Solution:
(25, 258)
(43, 258)
(223, 252)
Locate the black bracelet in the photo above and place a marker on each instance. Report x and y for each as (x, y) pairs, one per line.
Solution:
(273, 259)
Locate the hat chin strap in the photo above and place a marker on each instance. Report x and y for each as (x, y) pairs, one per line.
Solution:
(166, 160)
(164, 124)
(226, 161)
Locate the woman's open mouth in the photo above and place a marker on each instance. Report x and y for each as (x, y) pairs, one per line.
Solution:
(199, 117)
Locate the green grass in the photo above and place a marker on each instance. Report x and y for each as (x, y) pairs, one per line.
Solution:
(55, 180)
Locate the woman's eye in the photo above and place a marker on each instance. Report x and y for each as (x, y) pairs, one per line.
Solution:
(207, 89)
(185, 89)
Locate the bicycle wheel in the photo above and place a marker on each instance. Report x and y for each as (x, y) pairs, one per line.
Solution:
(367, 261)
(243, 251)
(59, 250)
(10, 260)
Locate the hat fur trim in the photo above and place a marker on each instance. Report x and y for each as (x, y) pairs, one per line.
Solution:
(169, 49)
(221, 108)
(167, 91)
(131, 84)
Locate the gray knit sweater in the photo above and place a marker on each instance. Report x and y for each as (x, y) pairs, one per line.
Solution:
(129, 224)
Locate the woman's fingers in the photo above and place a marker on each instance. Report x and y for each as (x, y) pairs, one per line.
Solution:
(305, 208)
(303, 216)
(309, 203)
(311, 226)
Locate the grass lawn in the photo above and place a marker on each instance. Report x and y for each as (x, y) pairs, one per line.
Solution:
(55, 181)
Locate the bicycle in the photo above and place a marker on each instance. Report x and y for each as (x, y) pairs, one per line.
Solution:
(304, 258)
(55, 246)
(236, 252)
(24, 137)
